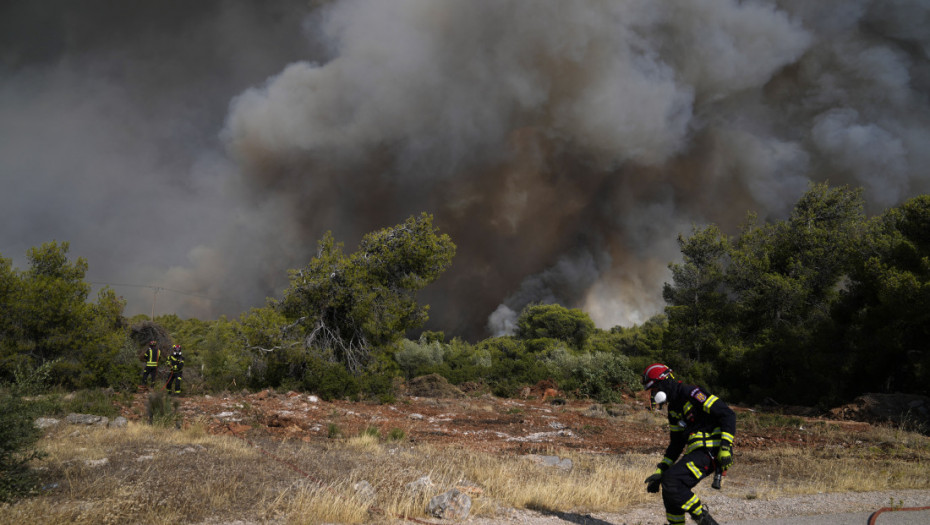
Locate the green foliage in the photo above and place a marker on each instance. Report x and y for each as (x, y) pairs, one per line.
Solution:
(553, 321)
(544, 345)
(415, 358)
(762, 421)
(760, 314)
(330, 380)
(785, 279)
(507, 364)
(512, 366)
(460, 362)
(47, 319)
(264, 329)
(215, 353)
(377, 381)
(429, 336)
(643, 344)
(162, 410)
(600, 376)
(97, 401)
(29, 381)
(773, 311)
(46, 306)
(107, 358)
(698, 303)
(885, 310)
(18, 437)
(18, 433)
(345, 305)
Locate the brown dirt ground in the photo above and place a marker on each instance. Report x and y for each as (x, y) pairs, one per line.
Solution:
(486, 423)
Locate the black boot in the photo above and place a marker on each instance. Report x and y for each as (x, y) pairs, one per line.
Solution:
(706, 519)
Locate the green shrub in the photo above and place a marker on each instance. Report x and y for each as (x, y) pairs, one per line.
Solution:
(330, 381)
(414, 357)
(224, 369)
(506, 389)
(553, 321)
(162, 410)
(544, 345)
(31, 381)
(98, 401)
(18, 436)
(379, 386)
(764, 421)
(600, 376)
(429, 336)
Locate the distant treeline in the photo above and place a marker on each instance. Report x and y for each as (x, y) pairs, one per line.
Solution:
(812, 310)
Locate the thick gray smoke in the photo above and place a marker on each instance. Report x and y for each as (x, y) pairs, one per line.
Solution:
(562, 145)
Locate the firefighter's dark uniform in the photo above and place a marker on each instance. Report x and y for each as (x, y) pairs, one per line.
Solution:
(698, 424)
(151, 366)
(176, 364)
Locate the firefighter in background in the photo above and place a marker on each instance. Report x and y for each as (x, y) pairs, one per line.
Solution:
(700, 425)
(176, 364)
(151, 356)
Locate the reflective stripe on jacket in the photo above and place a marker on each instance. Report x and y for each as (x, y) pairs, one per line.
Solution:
(176, 363)
(151, 356)
(697, 420)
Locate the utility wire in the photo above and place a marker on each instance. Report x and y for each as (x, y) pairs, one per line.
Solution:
(160, 288)
(155, 289)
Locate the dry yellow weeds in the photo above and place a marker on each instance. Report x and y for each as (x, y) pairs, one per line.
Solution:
(158, 475)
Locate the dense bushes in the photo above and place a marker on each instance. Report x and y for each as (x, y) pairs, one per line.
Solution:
(765, 313)
(18, 436)
(507, 364)
(602, 376)
(801, 310)
(47, 318)
(350, 305)
(552, 321)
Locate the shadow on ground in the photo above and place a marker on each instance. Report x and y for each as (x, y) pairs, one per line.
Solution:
(571, 517)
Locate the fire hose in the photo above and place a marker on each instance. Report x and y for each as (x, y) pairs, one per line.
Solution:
(875, 514)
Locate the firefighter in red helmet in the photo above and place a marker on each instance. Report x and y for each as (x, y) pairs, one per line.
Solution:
(176, 365)
(702, 427)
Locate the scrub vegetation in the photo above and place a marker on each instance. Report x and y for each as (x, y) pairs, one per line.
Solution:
(797, 311)
(152, 474)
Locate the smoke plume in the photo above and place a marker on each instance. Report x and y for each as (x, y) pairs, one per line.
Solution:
(563, 145)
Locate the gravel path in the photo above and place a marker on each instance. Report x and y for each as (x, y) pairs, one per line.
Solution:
(728, 509)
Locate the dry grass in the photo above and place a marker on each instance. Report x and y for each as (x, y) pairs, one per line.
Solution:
(884, 458)
(161, 476)
(312, 503)
(595, 482)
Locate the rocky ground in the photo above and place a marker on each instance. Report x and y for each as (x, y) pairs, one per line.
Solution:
(441, 415)
(537, 423)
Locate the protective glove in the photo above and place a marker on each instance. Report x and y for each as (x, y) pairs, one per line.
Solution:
(725, 456)
(654, 481)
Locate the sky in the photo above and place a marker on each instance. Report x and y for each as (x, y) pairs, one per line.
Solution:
(194, 152)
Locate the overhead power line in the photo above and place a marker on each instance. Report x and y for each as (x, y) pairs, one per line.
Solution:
(155, 289)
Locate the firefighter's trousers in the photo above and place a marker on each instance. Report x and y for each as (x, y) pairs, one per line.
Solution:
(678, 481)
(174, 383)
(148, 375)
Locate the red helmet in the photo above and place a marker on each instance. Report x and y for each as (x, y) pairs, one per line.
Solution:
(655, 373)
(153, 343)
